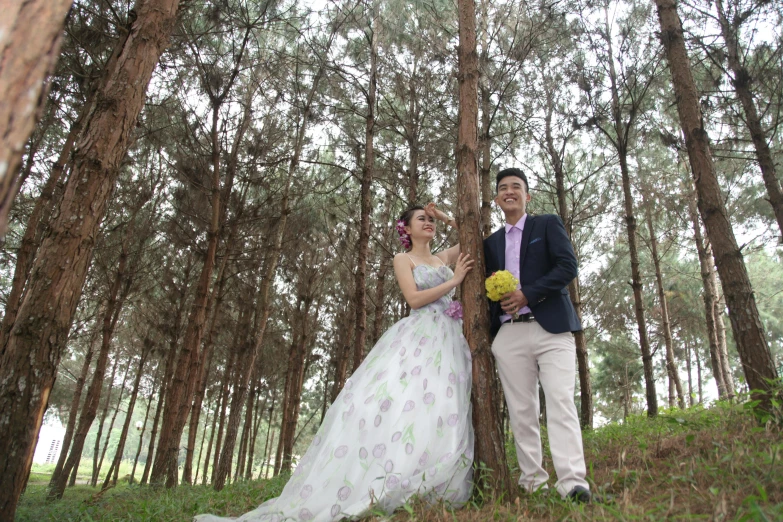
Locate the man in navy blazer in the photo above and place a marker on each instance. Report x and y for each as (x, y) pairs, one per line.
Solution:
(533, 341)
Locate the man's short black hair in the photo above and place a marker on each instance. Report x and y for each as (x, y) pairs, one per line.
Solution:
(511, 172)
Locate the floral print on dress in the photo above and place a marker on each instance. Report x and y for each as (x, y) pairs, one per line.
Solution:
(410, 399)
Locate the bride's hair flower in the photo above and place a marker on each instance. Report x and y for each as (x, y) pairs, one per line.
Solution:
(405, 238)
(499, 284)
(454, 310)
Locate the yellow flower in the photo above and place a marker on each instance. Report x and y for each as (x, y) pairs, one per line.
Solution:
(499, 284)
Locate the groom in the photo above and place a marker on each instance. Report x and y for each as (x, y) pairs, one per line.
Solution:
(536, 344)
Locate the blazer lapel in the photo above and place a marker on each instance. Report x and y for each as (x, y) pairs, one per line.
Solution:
(528, 230)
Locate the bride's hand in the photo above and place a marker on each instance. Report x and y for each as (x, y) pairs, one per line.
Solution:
(464, 265)
(431, 210)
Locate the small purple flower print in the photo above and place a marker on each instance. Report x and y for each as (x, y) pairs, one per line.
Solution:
(380, 375)
(423, 459)
(440, 422)
(369, 399)
(377, 420)
(306, 491)
(348, 384)
(429, 361)
(341, 452)
(392, 482)
(409, 448)
(389, 466)
(409, 405)
(405, 484)
(440, 488)
(362, 453)
(316, 440)
(429, 398)
(385, 405)
(453, 419)
(416, 370)
(445, 457)
(454, 310)
(361, 424)
(463, 376)
(402, 352)
(469, 453)
(396, 436)
(344, 493)
(449, 392)
(404, 374)
(379, 451)
(335, 510)
(350, 410)
(417, 352)
(305, 514)
(347, 398)
(452, 378)
(425, 384)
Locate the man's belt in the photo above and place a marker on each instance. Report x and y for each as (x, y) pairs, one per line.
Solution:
(524, 318)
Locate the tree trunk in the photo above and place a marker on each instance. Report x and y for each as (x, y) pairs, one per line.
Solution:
(720, 328)
(583, 362)
(671, 365)
(30, 37)
(292, 400)
(183, 384)
(259, 410)
(757, 363)
(115, 465)
(224, 405)
(741, 82)
(490, 449)
(144, 426)
(201, 448)
(211, 439)
(117, 294)
(265, 460)
(33, 234)
(698, 375)
(74, 409)
(363, 247)
(690, 375)
(343, 350)
(205, 365)
(44, 318)
(96, 469)
(707, 270)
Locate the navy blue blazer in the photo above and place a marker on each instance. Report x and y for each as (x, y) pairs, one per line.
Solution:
(546, 264)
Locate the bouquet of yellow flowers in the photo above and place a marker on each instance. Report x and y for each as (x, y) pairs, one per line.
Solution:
(499, 284)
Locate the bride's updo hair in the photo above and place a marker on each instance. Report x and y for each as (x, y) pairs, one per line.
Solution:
(405, 220)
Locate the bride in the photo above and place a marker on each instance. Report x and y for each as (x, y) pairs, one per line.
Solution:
(401, 425)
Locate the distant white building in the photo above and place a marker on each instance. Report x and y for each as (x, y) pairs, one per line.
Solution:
(50, 443)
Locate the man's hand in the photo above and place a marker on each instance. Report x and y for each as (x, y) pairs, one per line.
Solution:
(513, 301)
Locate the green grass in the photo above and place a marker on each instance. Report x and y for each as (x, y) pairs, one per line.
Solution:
(715, 464)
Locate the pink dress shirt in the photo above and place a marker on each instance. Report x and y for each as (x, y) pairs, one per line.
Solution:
(513, 250)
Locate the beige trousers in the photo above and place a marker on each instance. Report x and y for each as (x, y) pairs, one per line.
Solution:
(526, 354)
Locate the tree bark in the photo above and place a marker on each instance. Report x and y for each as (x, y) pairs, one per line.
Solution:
(117, 294)
(490, 449)
(707, 270)
(44, 318)
(741, 82)
(30, 37)
(96, 468)
(224, 405)
(363, 247)
(183, 384)
(265, 460)
(583, 362)
(33, 234)
(115, 465)
(74, 409)
(144, 426)
(690, 375)
(757, 363)
(671, 365)
(343, 350)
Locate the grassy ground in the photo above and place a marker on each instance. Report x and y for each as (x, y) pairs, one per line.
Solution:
(715, 464)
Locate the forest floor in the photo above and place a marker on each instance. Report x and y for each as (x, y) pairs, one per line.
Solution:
(699, 464)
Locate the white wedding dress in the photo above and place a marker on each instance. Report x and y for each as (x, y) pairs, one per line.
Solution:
(400, 427)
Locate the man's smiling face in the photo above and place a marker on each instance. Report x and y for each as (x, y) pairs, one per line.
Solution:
(512, 196)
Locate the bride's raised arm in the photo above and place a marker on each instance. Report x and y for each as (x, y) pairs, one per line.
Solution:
(450, 255)
(416, 298)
